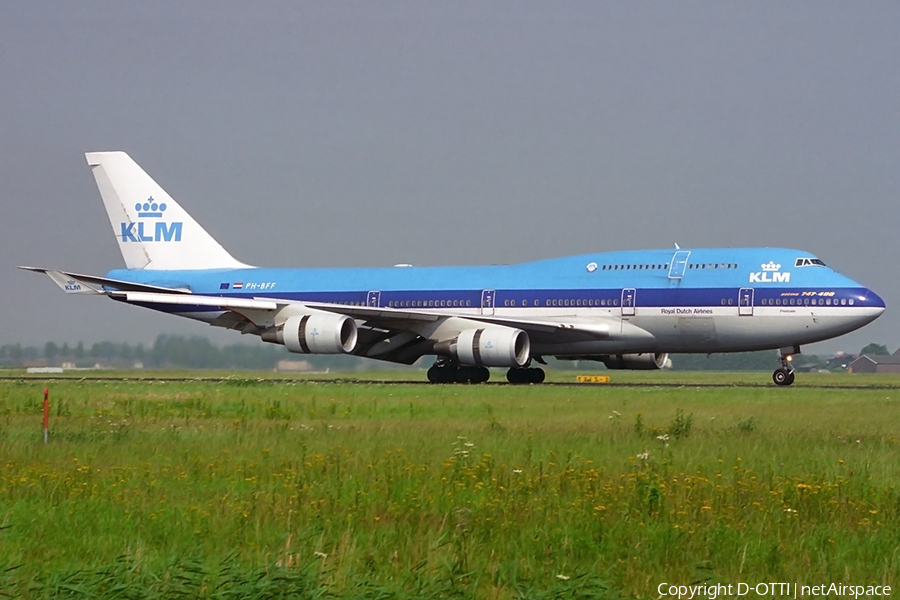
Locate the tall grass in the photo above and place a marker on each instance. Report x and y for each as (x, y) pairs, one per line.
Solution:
(203, 489)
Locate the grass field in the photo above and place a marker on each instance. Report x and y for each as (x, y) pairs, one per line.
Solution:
(257, 487)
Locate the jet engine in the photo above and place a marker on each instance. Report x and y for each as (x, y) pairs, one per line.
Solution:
(489, 347)
(636, 362)
(317, 333)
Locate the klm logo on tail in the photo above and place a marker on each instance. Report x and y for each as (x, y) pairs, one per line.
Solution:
(159, 231)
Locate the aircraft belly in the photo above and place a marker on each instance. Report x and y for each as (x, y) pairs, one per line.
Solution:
(698, 332)
(683, 334)
(733, 333)
(594, 347)
(624, 336)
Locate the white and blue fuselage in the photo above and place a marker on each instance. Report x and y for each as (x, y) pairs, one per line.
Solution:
(626, 309)
(702, 300)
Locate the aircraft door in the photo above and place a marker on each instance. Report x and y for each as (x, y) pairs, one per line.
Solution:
(487, 301)
(628, 297)
(745, 302)
(373, 299)
(679, 264)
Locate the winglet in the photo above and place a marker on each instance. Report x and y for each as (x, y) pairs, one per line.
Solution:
(153, 231)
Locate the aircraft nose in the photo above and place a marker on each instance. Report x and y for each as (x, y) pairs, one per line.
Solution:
(873, 300)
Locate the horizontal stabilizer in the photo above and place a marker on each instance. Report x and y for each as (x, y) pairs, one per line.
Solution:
(76, 283)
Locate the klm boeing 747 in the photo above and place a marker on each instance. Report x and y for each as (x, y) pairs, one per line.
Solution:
(628, 310)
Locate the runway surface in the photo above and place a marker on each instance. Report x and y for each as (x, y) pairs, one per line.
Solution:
(352, 381)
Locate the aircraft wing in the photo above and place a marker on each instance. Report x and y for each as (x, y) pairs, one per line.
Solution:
(392, 315)
(392, 334)
(198, 300)
(381, 324)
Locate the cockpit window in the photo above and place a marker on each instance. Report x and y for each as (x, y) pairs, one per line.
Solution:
(808, 262)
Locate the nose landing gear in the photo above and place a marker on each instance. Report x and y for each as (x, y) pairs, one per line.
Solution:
(785, 374)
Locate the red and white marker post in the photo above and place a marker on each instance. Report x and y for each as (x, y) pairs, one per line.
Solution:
(46, 414)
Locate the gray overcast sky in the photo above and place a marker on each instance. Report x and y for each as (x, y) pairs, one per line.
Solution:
(367, 134)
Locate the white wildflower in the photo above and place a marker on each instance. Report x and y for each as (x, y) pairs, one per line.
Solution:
(664, 437)
(517, 471)
(644, 455)
(562, 577)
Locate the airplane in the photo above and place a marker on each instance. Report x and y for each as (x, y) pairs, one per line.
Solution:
(627, 310)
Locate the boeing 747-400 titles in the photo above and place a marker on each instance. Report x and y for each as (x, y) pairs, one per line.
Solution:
(628, 310)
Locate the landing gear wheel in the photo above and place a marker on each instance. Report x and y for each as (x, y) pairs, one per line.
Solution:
(783, 377)
(536, 375)
(449, 372)
(469, 375)
(519, 375)
(446, 373)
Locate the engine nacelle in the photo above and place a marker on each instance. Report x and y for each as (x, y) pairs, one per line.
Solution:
(493, 347)
(636, 362)
(318, 333)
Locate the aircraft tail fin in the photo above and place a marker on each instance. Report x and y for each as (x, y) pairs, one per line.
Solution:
(153, 231)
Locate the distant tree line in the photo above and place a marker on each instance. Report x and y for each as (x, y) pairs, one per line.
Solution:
(167, 352)
(178, 352)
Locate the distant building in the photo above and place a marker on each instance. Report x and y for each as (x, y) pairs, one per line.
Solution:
(875, 364)
(839, 361)
(35, 363)
(293, 366)
(44, 370)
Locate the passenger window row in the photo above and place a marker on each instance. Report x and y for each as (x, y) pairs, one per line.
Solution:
(578, 302)
(429, 303)
(713, 266)
(666, 266)
(509, 303)
(632, 267)
(600, 302)
(807, 302)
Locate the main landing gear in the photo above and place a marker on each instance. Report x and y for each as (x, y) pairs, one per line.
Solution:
(520, 375)
(446, 370)
(785, 374)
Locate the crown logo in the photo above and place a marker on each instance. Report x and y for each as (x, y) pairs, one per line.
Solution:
(771, 266)
(150, 208)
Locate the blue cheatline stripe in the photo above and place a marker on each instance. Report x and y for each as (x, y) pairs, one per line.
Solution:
(643, 298)
(646, 298)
